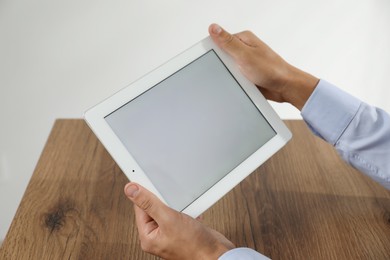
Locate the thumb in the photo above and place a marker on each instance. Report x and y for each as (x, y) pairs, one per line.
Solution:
(146, 200)
(226, 41)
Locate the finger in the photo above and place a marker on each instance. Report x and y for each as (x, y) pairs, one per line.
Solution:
(270, 95)
(248, 38)
(147, 201)
(200, 218)
(226, 41)
(144, 222)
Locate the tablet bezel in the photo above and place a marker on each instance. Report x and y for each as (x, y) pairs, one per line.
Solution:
(95, 118)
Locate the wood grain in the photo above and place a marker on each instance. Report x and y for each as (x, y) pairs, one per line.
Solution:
(303, 203)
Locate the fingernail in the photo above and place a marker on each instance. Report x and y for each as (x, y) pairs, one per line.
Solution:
(217, 29)
(132, 190)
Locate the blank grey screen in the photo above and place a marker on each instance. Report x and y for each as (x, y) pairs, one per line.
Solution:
(191, 129)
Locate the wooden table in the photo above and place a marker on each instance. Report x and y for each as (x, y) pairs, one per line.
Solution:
(303, 203)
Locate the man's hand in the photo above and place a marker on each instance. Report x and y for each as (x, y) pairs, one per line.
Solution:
(276, 79)
(170, 234)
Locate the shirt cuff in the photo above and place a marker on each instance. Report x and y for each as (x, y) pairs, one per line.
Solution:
(329, 110)
(242, 253)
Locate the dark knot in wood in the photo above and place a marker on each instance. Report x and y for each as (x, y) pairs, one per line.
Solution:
(56, 218)
(387, 217)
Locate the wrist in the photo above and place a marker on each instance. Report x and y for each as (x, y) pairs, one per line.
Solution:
(215, 251)
(299, 87)
(216, 254)
(222, 249)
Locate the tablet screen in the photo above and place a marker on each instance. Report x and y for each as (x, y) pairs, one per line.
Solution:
(191, 129)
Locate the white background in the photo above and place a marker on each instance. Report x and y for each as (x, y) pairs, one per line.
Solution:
(58, 58)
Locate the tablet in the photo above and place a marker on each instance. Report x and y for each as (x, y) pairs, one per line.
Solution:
(190, 130)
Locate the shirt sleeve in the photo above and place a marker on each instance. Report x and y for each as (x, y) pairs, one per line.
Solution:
(242, 253)
(359, 132)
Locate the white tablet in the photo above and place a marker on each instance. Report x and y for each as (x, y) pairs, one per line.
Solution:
(190, 130)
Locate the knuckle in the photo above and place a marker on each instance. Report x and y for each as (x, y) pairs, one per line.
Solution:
(247, 32)
(228, 39)
(145, 204)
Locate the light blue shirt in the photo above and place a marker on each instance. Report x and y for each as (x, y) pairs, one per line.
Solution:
(359, 132)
